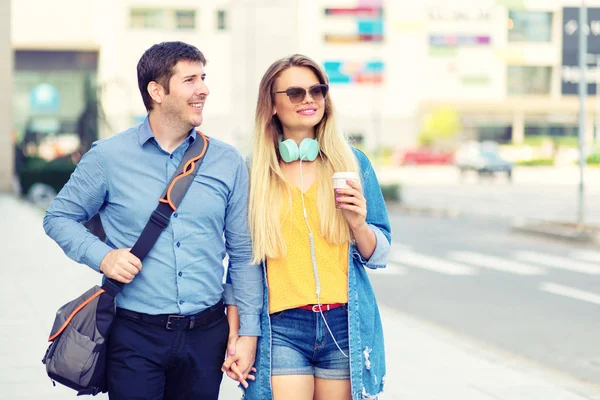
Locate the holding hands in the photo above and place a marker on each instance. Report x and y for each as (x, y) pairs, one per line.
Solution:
(239, 363)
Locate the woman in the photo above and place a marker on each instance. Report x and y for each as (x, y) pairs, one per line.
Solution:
(322, 336)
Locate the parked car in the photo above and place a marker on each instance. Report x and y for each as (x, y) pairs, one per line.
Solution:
(483, 158)
(40, 180)
(423, 156)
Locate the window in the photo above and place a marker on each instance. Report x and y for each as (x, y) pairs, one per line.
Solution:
(526, 80)
(185, 19)
(146, 18)
(496, 133)
(529, 26)
(157, 18)
(221, 20)
(545, 130)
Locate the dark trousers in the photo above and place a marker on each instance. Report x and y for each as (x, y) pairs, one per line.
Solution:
(146, 361)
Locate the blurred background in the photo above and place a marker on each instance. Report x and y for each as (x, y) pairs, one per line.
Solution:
(469, 110)
(414, 84)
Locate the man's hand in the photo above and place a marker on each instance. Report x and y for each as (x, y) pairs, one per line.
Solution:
(238, 366)
(120, 265)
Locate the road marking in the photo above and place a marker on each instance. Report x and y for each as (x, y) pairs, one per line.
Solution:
(558, 262)
(592, 256)
(570, 292)
(433, 264)
(396, 250)
(401, 247)
(497, 263)
(392, 268)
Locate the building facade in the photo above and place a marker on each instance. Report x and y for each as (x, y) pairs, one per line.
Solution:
(497, 63)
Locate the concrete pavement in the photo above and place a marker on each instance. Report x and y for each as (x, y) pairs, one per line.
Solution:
(424, 361)
(539, 200)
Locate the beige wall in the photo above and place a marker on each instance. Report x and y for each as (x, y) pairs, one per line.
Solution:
(6, 67)
(57, 24)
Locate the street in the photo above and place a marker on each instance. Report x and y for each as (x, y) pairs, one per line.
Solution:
(536, 298)
(471, 310)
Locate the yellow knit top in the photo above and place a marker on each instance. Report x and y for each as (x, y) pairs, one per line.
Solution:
(290, 278)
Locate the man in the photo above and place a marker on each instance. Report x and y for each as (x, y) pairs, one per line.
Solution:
(122, 178)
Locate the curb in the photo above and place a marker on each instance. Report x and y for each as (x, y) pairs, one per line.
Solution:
(423, 211)
(559, 230)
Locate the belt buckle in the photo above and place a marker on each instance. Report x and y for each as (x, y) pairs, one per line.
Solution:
(317, 307)
(169, 321)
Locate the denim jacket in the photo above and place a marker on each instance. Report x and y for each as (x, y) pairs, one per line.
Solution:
(367, 358)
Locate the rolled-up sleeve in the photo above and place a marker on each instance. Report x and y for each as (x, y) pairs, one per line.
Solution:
(246, 278)
(377, 216)
(78, 201)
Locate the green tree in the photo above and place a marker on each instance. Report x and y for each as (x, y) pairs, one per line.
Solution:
(440, 127)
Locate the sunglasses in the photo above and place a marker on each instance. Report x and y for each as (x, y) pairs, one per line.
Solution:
(297, 94)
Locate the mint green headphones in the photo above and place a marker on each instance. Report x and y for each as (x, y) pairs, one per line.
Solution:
(290, 151)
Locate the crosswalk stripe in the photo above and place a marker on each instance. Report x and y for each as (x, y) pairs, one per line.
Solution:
(433, 264)
(592, 256)
(570, 292)
(558, 262)
(392, 268)
(497, 263)
(396, 250)
(400, 247)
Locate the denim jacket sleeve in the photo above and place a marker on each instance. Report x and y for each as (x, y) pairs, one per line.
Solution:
(377, 216)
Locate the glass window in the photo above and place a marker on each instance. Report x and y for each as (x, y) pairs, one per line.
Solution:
(528, 80)
(185, 19)
(221, 20)
(146, 18)
(162, 19)
(529, 26)
(496, 133)
(551, 130)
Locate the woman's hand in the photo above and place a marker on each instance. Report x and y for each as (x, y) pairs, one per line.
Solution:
(354, 208)
(353, 205)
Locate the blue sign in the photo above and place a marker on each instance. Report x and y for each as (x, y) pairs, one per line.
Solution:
(360, 72)
(44, 98)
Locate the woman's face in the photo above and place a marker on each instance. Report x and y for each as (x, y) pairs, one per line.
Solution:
(303, 112)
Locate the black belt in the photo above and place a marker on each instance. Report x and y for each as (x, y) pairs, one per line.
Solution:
(176, 322)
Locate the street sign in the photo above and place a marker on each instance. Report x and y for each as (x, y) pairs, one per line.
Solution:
(570, 62)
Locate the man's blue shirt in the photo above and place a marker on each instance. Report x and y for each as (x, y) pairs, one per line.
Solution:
(122, 178)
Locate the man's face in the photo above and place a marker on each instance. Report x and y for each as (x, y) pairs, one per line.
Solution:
(187, 94)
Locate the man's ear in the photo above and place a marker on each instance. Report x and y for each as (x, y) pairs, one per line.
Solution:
(156, 91)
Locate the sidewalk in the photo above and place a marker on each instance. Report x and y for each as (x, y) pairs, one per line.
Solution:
(424, 362)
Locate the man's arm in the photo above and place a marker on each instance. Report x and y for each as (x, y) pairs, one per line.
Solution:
(246, 278)
(78, 201)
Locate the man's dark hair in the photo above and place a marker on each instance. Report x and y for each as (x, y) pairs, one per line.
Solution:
(157, 65)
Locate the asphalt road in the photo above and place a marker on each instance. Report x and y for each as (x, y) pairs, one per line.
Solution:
(533, 297)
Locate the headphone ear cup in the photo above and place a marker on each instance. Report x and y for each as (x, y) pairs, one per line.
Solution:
(309, 149)
(288, 150)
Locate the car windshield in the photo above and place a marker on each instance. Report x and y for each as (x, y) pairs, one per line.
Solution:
(490, 155)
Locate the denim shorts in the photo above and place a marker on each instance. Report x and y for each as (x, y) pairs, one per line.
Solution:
(302, 344)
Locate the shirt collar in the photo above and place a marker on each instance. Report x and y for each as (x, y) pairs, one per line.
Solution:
(145, 133)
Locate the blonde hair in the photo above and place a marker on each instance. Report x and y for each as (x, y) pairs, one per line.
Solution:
(267, 182)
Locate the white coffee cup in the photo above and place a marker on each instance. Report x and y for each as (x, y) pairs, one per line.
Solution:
(340, 178)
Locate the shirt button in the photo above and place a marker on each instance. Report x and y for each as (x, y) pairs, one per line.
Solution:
(171, 156)
(180, 274)
(181, 301)
(178, 244)
(175, 215)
